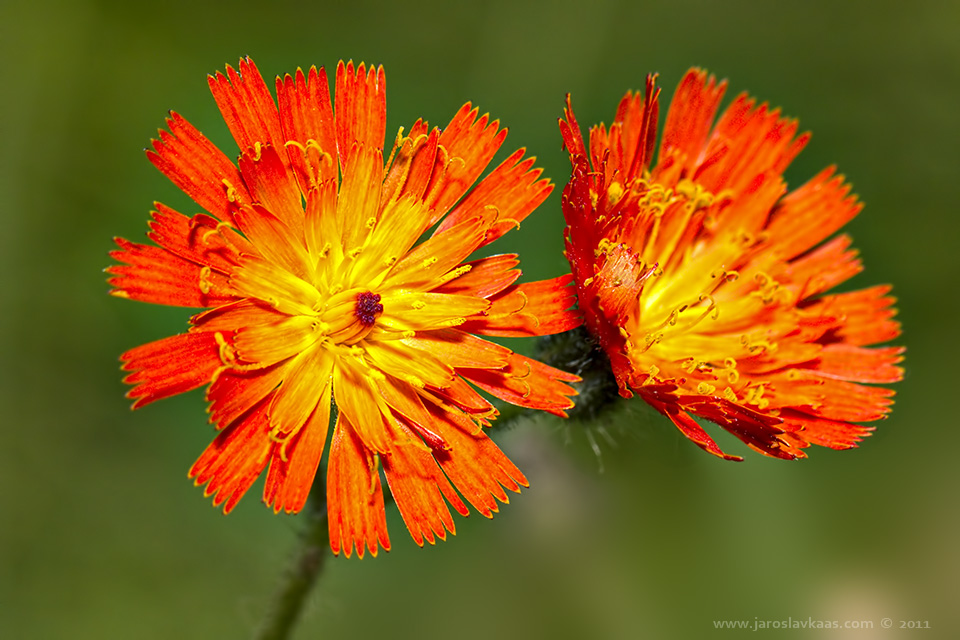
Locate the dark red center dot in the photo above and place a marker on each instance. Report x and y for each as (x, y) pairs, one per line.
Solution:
(368, 308)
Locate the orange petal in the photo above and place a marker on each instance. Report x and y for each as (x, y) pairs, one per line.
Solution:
(637, 117)
(266, 344)
(356, 399)
(358, 201)
(692, 109)
(859, 364)
(305, 380)
(153, 274)
(199, 168)
(867, 314)
(618, 283)
(401, 224)
(415, 165)
(474, 464)
(239, 313)
(689, 427)
(234, 460)
(354, 497)
(234, 393)
(266, 170)
(200, 239)
(306, 113)
(835, 399)
(470, 144)
(247, 106)
(425, 311)
(407, 363)
(760, 431)
(170, 366)
(405, 401)
(457, 349)
(437, 255)
(530, 309)
(570, 132)
(263, 280)
(526, 383)
(811, 213)
(823, 268)
(464, 397)
(486, 277)
(504, 198)
(321, 227)
(293, 469)
(276, 241)
(419, 488)
(821, 431)
(360, 108)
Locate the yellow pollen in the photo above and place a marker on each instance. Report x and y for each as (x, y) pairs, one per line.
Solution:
(614, 192)
(754, 395)
(228, 356)
(218, 230)
(205, 280)
(757, 345)
(231, 190)
(453, 274)
(419, 304)
(374, 473)
(257, 150)
(414, 380)
(729, 394)
(705, 388)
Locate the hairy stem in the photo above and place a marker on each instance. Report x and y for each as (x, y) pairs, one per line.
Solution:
(307, 565)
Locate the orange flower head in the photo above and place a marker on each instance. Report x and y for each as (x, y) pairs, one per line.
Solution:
(704, 280)
(317, 291)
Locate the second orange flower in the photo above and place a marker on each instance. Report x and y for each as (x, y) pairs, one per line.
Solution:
(706, 281)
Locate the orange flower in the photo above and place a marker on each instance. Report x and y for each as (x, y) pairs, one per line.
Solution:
(318, 291)
(704, 280)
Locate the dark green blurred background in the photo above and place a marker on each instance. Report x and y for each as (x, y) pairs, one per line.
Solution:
(103, 536)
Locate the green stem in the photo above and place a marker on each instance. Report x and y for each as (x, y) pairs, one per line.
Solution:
(307, 565)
